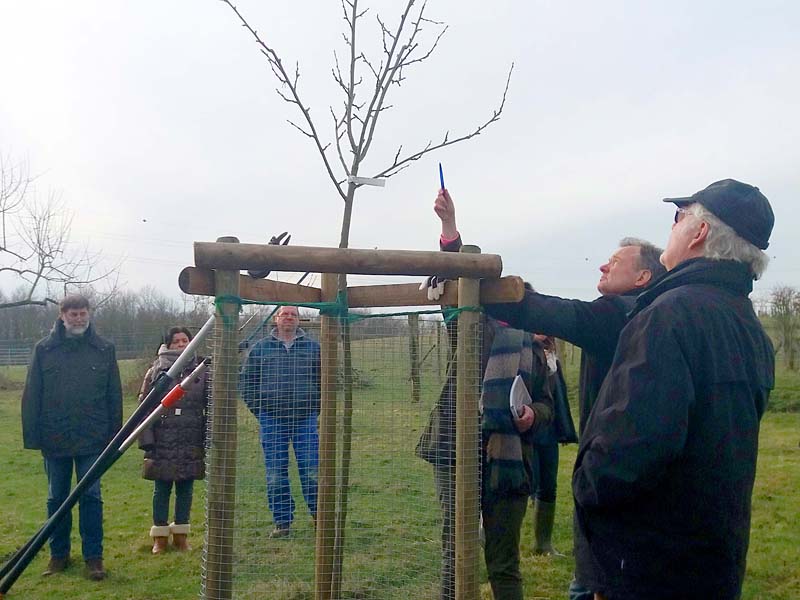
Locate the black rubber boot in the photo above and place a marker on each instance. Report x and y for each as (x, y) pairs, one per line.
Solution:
(544, 514)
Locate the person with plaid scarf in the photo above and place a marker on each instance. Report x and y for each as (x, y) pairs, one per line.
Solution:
(507, 449)
(507, 442)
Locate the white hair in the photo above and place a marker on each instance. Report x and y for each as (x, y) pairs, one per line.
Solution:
(723, 243)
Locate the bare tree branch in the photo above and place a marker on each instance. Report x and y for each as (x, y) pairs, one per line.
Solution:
(446, 141)
(337, 127)
(382, 84)
(351, 20)
(300, 129)
(280, 73)
(28, 302)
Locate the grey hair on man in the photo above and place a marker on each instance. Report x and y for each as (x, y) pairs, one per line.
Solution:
(723, 243)
(649, 255)
(739, 219)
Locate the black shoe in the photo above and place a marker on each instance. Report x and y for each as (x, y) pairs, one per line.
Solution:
(56, 565)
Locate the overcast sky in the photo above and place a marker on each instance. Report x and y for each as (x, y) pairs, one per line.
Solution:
(158, 123)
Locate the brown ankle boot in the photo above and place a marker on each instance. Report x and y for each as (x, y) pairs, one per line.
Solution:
(160, 535)
(56, 565)
(179, 535)
(95, 569)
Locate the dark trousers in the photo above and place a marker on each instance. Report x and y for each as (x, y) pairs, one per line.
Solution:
(90, 506)
(545, 472)
(444, 478)
(502, 522)
(183, 501)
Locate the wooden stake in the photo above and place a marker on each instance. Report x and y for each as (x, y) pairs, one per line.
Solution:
(221, 498)
(326, 505)
(468, 373)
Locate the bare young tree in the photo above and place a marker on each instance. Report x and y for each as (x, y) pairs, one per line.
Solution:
(786, 313)
(356, 119)
(35, 244)
(354, 122)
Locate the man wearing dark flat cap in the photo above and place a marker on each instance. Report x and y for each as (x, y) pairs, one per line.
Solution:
(664, 474)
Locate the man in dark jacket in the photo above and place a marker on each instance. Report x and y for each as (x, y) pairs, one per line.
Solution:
(592, 326)
(280, 383)
(665, 469)
(71, 409)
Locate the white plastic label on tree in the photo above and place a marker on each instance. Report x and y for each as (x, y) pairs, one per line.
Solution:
(366, 181)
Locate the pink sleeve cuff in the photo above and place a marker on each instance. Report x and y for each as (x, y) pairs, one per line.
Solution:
(444, 241)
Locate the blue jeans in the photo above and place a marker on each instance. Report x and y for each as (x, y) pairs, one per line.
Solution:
(276, 434)
(183, 501)
(90, 506)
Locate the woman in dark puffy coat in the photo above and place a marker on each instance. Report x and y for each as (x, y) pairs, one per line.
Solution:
(174, 446)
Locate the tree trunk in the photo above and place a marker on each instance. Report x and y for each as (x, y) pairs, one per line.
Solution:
(413, 351)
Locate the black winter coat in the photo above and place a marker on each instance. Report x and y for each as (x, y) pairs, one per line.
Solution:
(72, 402)
(665, 468)
(174, 446)
(592, 326)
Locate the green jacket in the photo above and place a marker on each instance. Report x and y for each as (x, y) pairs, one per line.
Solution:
(72, 402)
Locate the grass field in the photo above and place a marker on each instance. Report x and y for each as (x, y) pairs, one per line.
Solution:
(392, 541)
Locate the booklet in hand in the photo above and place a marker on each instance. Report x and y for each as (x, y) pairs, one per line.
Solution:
(519, 397)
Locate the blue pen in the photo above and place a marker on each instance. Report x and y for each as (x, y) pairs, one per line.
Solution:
(441, 175)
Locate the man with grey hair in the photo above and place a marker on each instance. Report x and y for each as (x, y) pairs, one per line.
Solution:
(592, 326)
(664, 473)
(71, 410)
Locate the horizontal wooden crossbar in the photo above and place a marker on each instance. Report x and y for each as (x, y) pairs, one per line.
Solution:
(237, 257)
(194, 280)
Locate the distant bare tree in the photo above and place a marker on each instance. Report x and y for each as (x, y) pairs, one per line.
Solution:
(786, 312)
(35, 244)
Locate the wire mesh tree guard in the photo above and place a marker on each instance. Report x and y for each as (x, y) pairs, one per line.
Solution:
(376, 532)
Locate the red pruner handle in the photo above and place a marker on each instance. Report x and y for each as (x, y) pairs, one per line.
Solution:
(179, 390)
(173, 396)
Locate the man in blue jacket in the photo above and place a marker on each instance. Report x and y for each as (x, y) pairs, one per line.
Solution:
(280, 383)
(71, 409)
(665, 470)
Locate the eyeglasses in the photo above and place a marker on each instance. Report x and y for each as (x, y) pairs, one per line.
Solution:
(679, 211)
